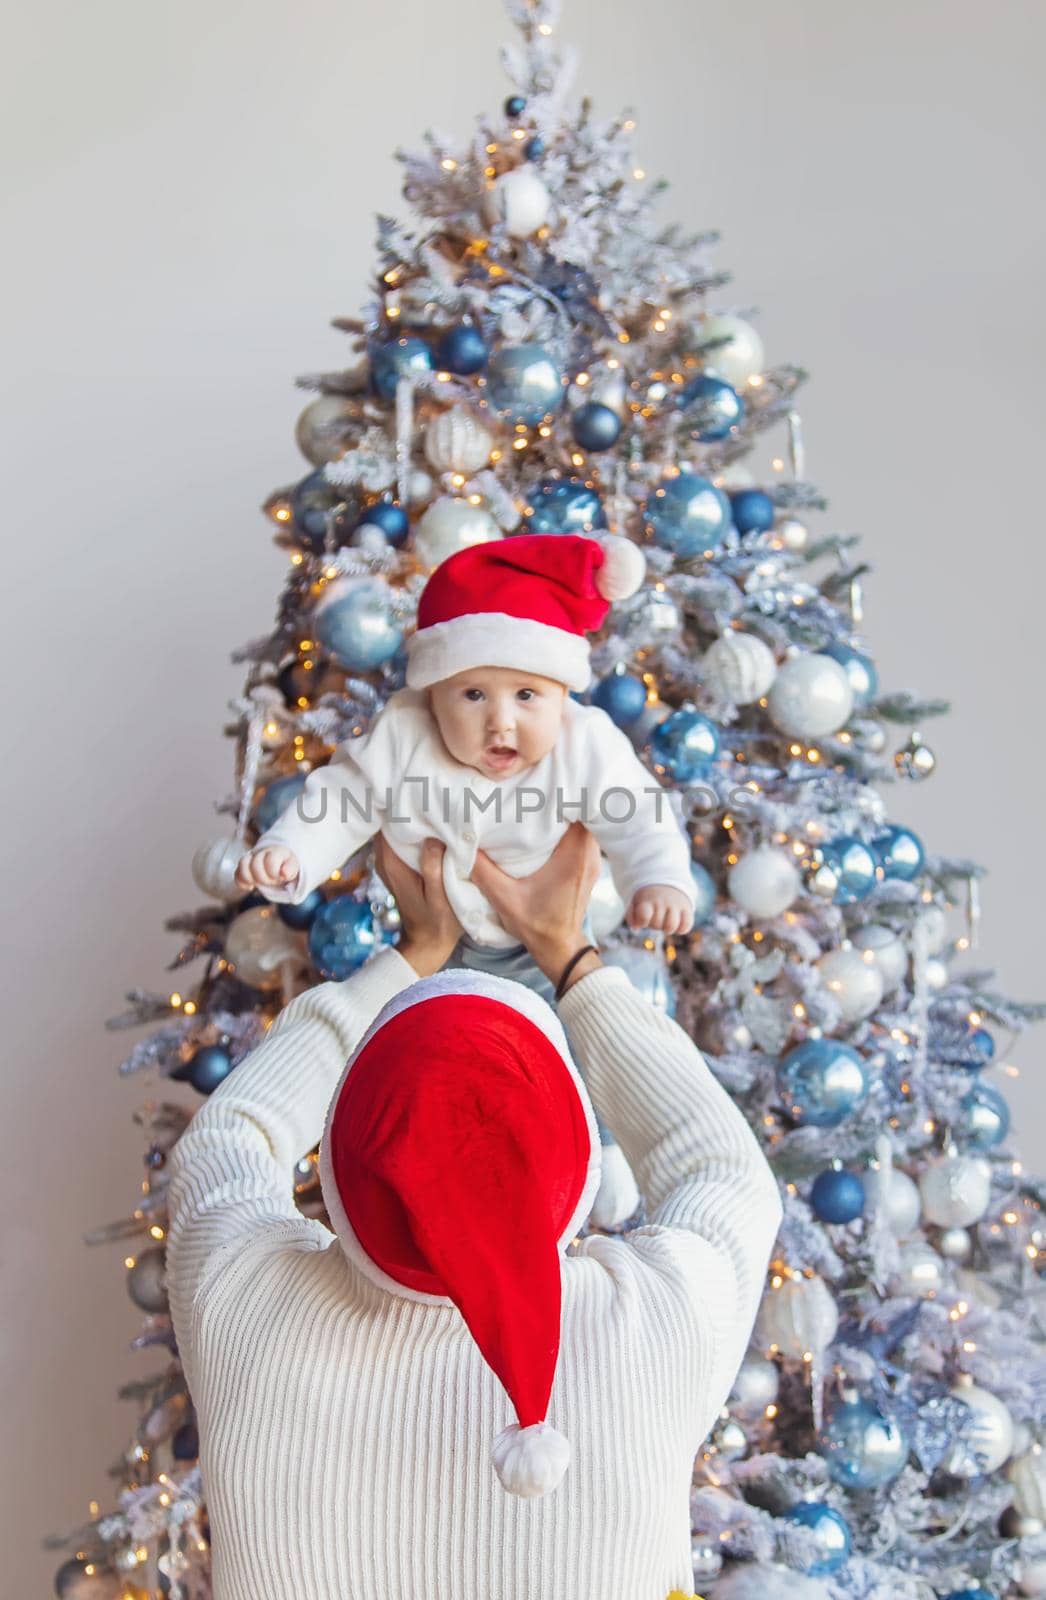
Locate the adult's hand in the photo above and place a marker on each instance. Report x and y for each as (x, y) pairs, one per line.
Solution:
(546, 911)
(430, 928)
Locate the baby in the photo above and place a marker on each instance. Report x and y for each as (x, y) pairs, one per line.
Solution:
(486, 750)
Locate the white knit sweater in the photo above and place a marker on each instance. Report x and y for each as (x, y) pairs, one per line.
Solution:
(346, 1431)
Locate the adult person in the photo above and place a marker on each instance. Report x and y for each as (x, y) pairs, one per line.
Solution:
(348, 1385)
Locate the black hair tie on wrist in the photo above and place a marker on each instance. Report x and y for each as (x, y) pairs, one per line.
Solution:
(585, 950)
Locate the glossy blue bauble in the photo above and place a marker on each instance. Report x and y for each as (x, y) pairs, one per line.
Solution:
(208, 1067)
(861, 671)
(281, 793)
(534, 148)
(704, 888)
(515, 105)
(863, 1446)
(753, 511)
(301, 915)
(901, 853)
(342, 936)
(399, 358)
(311, 505)
(968, 1594)
(983, 1043)
(524, 384)
(621, 696)
(837, 1196)
(462, 350)
(685, 744)
(986, 1117)
(855, 865)
(833, 1534)
(712, 408)
(647, 971)
(391, 519)
(358, 628)
(821, 1082)
(564, 505)
(687, 514)
(595, 426)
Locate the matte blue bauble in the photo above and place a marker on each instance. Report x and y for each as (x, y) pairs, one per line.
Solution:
(342, 936)
(821, 1081)
(833, 1534)
(595, 426)
(837, 1196)
(208, 1067)
(564, 505)
(647, 971)
(534, 148)
(301, 915)
(855, 865)
(861, 671)
(185, 1446)
(685, 744)
(687, 514)
(704, 888)
(863, 1446)
(462, 350)
(311, 505)
(524, 384)
(753, 511)
(986, 1117)
(712, 408)
(901, 853)
(358, 628)
(281, 793)
(621, 696)
(391, 519)
(400, 358)
(515, 105)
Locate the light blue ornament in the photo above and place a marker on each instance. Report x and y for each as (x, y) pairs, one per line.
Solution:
(564, 505)
(837, 1196)
(357, 626)
(832, 1531)
(986, 1117)
(712, 408)
(685, 744)
(704, 887)
(622, 696)
(647, 971)
(524, 384)
(863, 1446)
(821, 1082)
(342, 936)
(595, 426)
(861, 671)
(753, 511)
(855, 865)
(399, 358)
(280, 794)
(901, 853)
(687, 514)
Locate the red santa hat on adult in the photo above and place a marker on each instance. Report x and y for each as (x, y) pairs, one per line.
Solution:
(525, 602)
(459, 1158)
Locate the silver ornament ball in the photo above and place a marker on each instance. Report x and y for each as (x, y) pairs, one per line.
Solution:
(955, 1244)
(147, 1281)
(853, 982)
(729, 1439)
(915, 761)
(811, 696)
(214, 868)
(955, 1190)
(989, 1442)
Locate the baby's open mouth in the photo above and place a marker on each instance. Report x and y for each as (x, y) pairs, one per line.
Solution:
(500, 752)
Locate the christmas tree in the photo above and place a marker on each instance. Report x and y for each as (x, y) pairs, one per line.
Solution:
(540, 354)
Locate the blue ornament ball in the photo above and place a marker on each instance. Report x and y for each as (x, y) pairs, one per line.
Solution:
(341, 937)
(855, 865)
(821, 1082)
(302, 915)
(208, 1067)
(357, 627)
(983, 1043)
(753, 511)
(311, 505)
(185, 1446)
(863, 1446)
(515, 105)
(685, 744)
(279, 794)
(837, 1196)
(399, 358)
(986, 1117)
(687, 514)
(861, 671)
(524, 384)
(647, 971)
(621, 696)
(595, 426)
(712, 408)
(704, 887)
(968, 1594)
(389, 517)
(833, 1535)
(564, 505)
(462, 350)
(901, 853)
(534, 148)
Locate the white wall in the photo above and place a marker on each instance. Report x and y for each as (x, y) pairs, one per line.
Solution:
(191, 197)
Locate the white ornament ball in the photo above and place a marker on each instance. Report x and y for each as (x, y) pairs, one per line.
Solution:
(920, 1270)
(937, 976)
(885, 950)
(450, 525)
(764, 882)
(1023, 1442)
(853, 982)
(1031, 1575)
(793, 534)
(321, 428)
(900, 1200)
(420, 487)
(1027, 1473)
(757, 1383)
(519, 200)
(801, 1316)
(811, 696)
(955, 1190)
(990, 1443)
(739, 667)
(933, 929)
(606, 909)
(214, 868)
(955, 1244)
(739, 357)
(258, 945)
(456, 442)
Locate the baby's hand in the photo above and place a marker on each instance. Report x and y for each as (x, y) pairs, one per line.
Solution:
(661, 908)
(272, 868)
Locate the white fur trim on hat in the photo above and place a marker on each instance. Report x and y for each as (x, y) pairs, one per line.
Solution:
(493, 639)
(531, 1461)
(623, 569)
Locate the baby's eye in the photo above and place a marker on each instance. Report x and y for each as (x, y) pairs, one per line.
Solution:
(473, 694)
(524, 694)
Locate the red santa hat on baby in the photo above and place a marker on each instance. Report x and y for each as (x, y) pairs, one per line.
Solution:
(459, 1158)
(525, 602)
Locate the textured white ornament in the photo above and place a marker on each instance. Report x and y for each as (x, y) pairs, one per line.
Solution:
(764, 882)
(214, 868)
(990, 1443)
(811, 697)
(606, 909)
(739, 667)
(259, 945)
(520, 200)
(853, 982)
(739, 357)
(955, 1189)
(793, 534)
(887, 952)
(900, 1200)
(450, 525)
(933, 925)
(920, 1270)
(321, 429)
(757, 1384)
(456, 442)
(1027, 1473)
(799, 1317)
